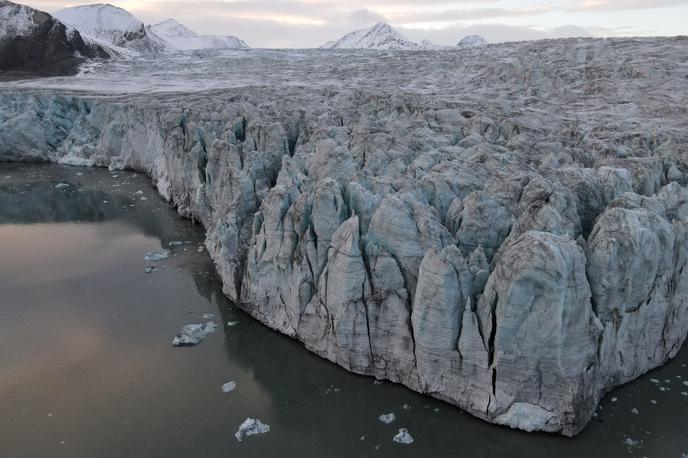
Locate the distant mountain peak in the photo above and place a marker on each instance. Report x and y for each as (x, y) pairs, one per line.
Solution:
(472, 41)
(181, 38)
(379, 36)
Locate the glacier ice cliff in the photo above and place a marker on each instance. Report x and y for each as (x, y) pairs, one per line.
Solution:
(503, 228)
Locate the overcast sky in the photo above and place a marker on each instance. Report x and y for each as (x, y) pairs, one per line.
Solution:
(310, 23)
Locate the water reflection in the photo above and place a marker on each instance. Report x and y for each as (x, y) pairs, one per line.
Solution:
(86, 356)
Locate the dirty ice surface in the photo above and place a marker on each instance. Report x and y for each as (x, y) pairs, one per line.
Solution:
(87, 369)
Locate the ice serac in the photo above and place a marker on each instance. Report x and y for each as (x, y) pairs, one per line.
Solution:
(513, 259)
(34, 42)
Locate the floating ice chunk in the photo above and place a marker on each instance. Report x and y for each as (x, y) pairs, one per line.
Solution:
(403, 437)
(387, 418)
(201, 248)
(232, 323)
(406, 407)
(175, 243)
(628, 442)
(229, 387)
(684, 393)
(654, 380)
(685, 383)
(378, 382)
(149, 269)
(62, 186)
(157, 255)
(207, 316)
(634, 411)
(138, 193)
(250, 427)
(652, 401)
(192, 334)
(615, 399)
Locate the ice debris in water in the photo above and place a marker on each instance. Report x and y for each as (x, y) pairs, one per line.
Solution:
(615, 399)
(157, 255)
(406, 407)
(378, 382)
(387, 418)
(685, 383)
(149, 269)
(232, 323)
(630, 443)
(175, 243)
(403, 437)
(250, 427)
(192, 334)
(634, 411)
(201, 248)
(207, 316)
(229, 387)
(62, 186)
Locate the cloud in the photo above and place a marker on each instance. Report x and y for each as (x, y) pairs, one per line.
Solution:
(625, 5)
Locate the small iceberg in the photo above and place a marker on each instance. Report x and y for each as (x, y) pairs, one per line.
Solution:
(251, 427)
(62, 186)
(232, 323)
(229, 387)
(157, 255)
(193, 334)
(387, 418)
(631, 443)
(403, 437)
(175, 243)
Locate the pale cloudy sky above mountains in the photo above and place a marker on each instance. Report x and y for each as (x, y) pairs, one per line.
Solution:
(310, 23)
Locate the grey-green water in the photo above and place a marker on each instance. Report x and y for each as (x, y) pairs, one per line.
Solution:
(87, 368)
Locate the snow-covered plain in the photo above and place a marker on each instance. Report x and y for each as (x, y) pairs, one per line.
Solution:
(504, 227)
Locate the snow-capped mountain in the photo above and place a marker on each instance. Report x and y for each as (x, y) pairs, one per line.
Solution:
(110, 25)
(379, 36)
(180, 37)
(472, 41)
(32, 41)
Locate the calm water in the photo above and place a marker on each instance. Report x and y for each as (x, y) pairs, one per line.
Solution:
(87, 368)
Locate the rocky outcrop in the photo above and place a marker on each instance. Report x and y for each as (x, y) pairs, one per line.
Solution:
(506, 259)
(33, 42)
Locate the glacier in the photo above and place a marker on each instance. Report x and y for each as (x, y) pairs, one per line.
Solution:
(504, 228)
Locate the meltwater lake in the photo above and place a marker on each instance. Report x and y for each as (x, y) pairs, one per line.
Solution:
(87, 366)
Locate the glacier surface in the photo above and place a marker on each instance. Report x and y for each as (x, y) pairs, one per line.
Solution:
(504, 228)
